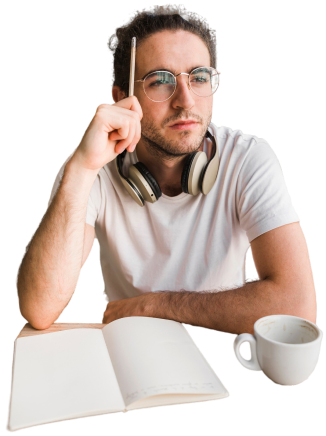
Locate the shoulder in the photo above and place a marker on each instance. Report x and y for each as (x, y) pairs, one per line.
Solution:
(238, 147)
(235, 137)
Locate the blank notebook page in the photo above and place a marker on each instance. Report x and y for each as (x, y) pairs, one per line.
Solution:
(62, 375)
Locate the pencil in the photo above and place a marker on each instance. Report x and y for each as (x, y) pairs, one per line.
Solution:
(132, 66)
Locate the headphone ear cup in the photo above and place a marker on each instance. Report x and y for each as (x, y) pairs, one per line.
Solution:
(145, 182)
(185, 172)
(192, 172)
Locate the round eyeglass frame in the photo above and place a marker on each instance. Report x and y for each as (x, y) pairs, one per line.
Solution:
(176, 83)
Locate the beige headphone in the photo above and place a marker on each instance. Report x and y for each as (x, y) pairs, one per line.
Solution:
(198, 174)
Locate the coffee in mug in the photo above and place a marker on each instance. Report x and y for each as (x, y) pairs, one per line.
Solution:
(284, 347)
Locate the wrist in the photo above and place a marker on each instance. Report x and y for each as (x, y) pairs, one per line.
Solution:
(75, 166)
(157, 305)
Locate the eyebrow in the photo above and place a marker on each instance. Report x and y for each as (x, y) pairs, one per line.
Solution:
(169, 71)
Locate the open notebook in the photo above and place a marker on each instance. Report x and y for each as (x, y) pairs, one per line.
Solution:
(131, 363)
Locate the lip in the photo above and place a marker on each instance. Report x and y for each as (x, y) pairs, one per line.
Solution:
(184, 125)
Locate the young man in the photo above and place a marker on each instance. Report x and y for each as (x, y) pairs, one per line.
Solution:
(171, 258)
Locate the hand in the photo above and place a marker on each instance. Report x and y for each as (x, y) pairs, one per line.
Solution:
(113, 129)
(135, 306)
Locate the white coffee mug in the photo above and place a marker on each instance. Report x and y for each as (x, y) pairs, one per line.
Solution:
(284, 347)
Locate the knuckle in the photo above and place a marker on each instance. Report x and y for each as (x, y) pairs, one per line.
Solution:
(125, 123)
(99, 107)
(135, 116)
(99, 111)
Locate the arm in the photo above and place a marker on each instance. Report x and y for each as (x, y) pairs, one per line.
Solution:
(285, 287)
(50, 268)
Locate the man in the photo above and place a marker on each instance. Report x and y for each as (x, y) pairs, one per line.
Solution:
(181, 257)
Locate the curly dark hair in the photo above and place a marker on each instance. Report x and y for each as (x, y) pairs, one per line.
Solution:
(148, 22)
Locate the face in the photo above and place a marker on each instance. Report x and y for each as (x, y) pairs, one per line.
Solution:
(177, 52)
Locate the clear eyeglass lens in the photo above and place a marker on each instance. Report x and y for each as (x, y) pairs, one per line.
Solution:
(160, 86)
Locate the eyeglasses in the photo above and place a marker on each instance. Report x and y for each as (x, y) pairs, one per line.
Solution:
(159, 86)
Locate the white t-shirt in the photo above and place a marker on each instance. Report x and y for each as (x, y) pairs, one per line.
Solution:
(188, 242)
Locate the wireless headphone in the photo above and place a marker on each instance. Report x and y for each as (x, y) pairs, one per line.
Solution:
(198, 174)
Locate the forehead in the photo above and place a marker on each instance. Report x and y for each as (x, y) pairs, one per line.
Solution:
(177, 51)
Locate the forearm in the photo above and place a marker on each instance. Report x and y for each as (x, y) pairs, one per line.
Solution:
(50, 268)
(233, 311)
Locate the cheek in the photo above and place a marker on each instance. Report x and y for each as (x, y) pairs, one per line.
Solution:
(141, 97)
(153, 112)
(205, 105)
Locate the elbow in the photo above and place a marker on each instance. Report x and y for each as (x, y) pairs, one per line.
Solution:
(37, 313)
(292, 298)
(37, 323)
(33, 317)
(302, 304)
(309, 312)
(308, 306)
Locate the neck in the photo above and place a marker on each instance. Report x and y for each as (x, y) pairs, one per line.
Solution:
(166, 168)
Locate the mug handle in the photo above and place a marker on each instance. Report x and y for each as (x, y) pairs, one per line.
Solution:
(253, 362)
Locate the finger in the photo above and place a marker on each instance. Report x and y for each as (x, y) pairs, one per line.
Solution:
(128, 117)
(105, 318)
(125, 140)
(114, 119)
(121, 145)
(131, 103)
(132, 138)
(122, 132)
(136, 138)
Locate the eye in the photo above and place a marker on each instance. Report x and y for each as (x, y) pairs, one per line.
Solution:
(200, 78)
(159, 79)
(160, 82)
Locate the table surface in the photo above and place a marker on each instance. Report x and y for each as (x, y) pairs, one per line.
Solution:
(28, 330)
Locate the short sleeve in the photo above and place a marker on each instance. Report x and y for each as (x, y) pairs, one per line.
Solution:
(263, 201)
(94, 203)
(57, 181)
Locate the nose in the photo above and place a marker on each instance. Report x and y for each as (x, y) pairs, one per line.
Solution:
(183, 96)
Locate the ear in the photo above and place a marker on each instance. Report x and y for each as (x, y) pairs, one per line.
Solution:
(118, 94)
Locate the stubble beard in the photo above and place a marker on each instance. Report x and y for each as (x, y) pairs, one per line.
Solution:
(158, 146)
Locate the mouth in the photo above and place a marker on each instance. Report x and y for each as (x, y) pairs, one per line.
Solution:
(184, 125)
